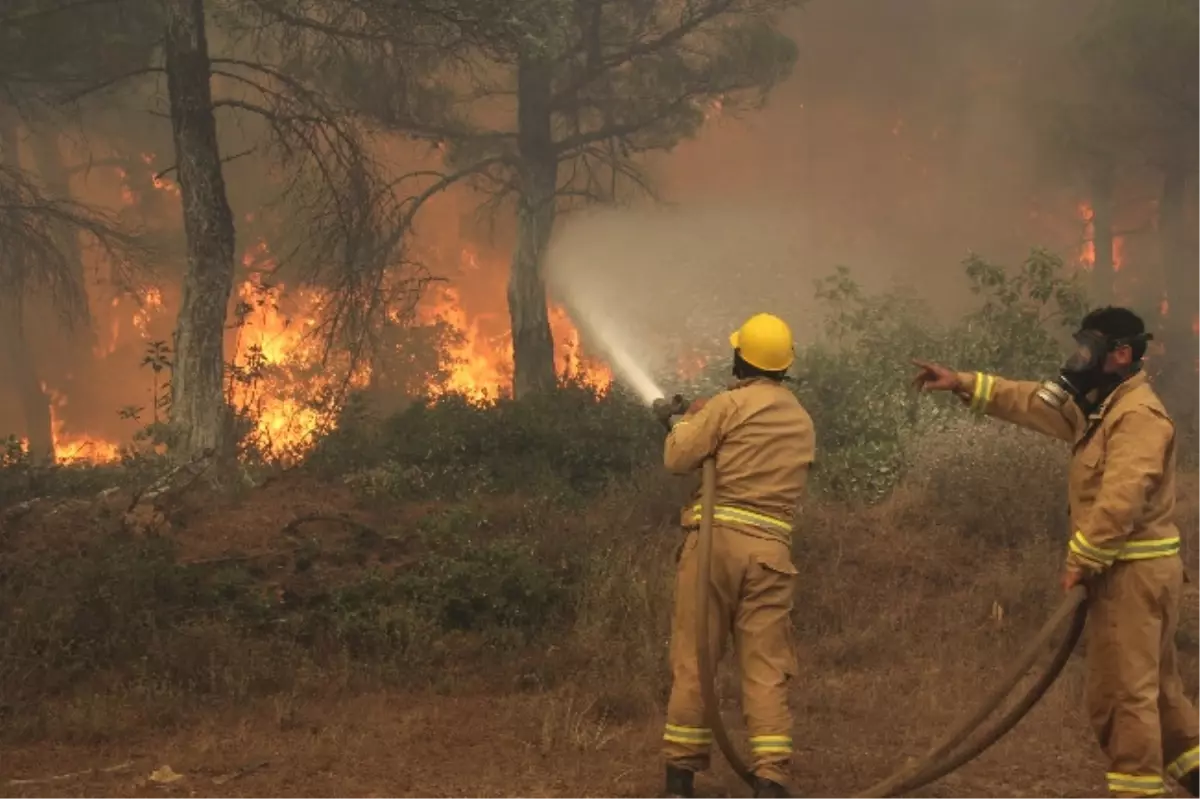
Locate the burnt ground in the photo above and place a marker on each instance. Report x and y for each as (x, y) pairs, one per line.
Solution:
(392, 744)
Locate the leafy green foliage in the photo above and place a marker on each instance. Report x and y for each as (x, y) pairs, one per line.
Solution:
(571, 442)
(856, 382)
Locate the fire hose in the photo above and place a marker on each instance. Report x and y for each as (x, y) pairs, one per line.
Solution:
(958, 746)
(962, 743)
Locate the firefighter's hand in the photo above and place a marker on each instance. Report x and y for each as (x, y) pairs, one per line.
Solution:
(662, 410)
(1071, 577)
(935, 377)
(696, 406)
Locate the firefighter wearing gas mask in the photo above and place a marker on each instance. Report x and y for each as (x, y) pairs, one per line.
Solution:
(1124, 543)
(763, 442)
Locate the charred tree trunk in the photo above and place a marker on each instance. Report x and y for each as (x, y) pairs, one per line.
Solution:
(198, 407)
(533, 344)
(1102, 234)
(1182, 280)
(22, 367)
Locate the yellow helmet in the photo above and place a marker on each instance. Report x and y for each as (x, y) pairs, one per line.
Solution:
(765, 342)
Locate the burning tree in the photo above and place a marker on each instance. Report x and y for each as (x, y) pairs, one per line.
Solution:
(543, 105)
(343, 220)
(43, 60)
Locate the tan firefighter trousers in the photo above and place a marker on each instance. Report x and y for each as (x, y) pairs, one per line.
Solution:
(752, 585)
(1142, 718)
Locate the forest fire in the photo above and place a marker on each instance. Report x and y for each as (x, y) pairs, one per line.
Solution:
(479, 356)
(1087, 249)
(69, 448)
(281, 381)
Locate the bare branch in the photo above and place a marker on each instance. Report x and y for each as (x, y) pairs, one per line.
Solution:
(30, 229)
(109, 82)
(688, 24)
(66, 5)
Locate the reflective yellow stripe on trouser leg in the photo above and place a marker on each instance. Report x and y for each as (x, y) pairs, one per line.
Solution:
(1134, 785)
(1188, 761)
(771, 745)
(699, 737)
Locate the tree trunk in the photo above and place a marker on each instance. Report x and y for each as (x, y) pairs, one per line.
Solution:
(1102, 233)
(533, 345)
(198, 407)
(22, 368)
(1182, 280)
(23, 376)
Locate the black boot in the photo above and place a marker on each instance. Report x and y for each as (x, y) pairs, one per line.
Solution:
(1191, 781)
(680, 782)
(763, 787)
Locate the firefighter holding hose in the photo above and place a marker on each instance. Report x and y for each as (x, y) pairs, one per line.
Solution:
(762, 441)
(1124, 545)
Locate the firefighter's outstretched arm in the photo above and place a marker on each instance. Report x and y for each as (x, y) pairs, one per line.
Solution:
(1013, 401)
(1016, 401)
(1135, 458)
(695, 436)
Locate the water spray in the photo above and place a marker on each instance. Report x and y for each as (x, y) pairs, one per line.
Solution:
(608, 336)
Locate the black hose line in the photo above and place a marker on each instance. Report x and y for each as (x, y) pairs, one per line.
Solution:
(957, 747)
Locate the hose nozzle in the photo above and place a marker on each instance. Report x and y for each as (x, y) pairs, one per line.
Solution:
(663, 409)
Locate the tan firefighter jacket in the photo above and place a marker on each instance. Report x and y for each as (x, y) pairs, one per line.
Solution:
(1121, 482)
(764, 443)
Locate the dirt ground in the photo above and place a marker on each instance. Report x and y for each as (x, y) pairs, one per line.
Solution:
(857, 718)
(540, 745)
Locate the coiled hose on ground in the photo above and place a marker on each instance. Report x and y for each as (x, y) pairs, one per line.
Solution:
(962, 743)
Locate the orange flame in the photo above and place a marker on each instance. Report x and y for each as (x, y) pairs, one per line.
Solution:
(1087, 248)
(279, 379)
(76, 449)
(480, 363)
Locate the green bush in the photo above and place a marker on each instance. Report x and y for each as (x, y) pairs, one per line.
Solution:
(568, 443)
(856, 382)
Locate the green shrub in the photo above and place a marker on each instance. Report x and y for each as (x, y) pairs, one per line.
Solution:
(570, 442)
(856, 382)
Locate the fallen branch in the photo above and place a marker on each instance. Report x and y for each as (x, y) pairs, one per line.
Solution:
(15, 512)
(294, 525)
(165, 484)
(73, 775)
(223, 559)
(240, 772)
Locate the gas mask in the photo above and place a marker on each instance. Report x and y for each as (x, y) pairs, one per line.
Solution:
(1082, 378)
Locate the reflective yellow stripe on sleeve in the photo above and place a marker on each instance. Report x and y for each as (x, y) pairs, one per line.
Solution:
(1188, 761)
(985, 385)
(1132, 550)
(1081, 547)
(1139, 786)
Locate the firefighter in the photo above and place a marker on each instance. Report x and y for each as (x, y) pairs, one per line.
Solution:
(763, 443)
(1124, 544)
